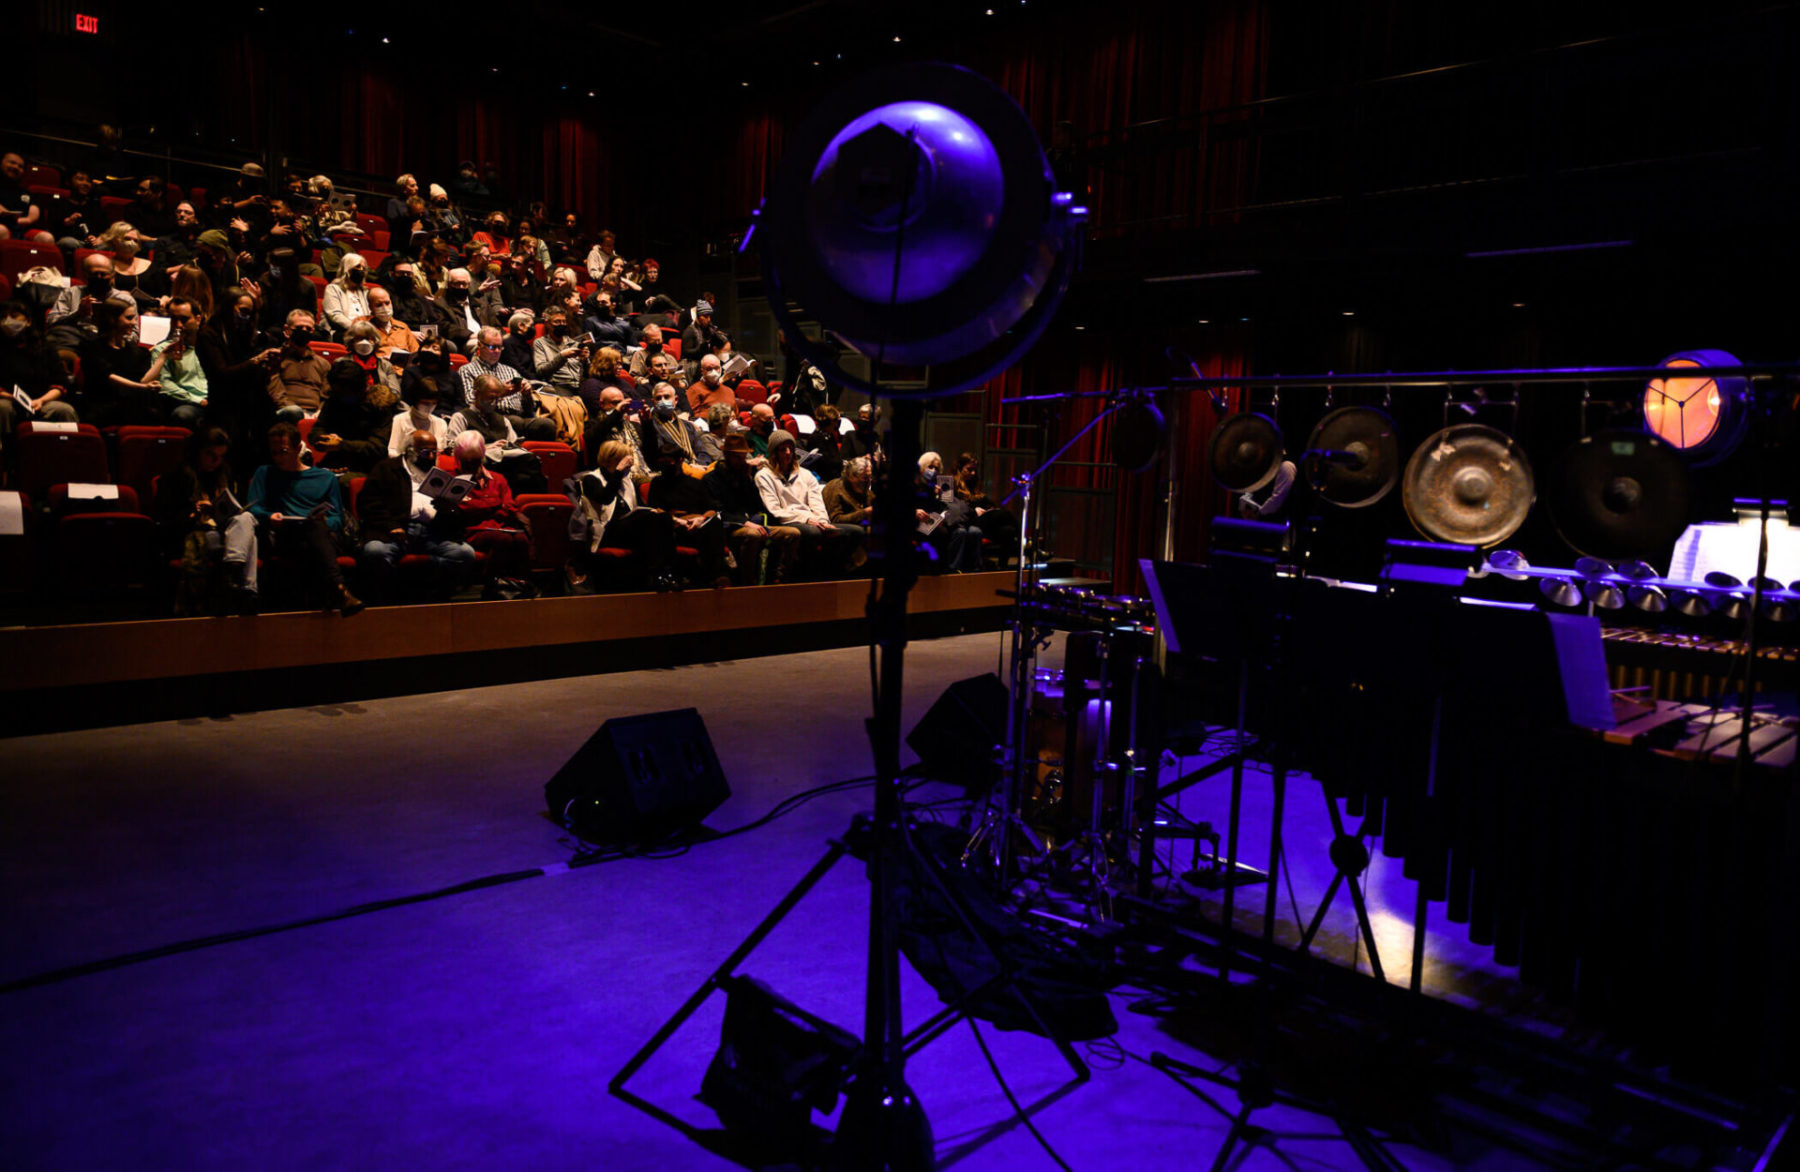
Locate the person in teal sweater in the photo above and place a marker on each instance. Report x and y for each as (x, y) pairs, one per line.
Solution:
(302, 512)
(183, 382)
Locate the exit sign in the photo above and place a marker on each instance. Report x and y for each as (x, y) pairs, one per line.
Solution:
(87, 24)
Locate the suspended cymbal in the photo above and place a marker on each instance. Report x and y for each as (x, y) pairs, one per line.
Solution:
(1621, 494)
(1468, 484)
(1246, 451)
(1561, 591)
(1364, 460)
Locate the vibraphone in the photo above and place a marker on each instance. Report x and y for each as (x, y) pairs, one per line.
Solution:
(1676, 665)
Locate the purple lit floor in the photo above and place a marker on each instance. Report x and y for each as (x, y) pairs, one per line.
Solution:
(479, 1030)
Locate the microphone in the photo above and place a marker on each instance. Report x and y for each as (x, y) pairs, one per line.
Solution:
(1176, 354)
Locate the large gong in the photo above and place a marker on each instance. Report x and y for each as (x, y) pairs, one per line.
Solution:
(1469, 485)
(1354, 457)
(1246, 451)
(1621, 494)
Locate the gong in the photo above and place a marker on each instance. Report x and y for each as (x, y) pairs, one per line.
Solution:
(1621, 494)
(1355, 457)
(1246, 451)
(1468, 484)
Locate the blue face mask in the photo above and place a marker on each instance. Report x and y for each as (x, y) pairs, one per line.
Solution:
(665, 408)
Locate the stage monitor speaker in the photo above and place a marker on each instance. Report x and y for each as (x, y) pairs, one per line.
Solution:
(639, 779)
(955, 739)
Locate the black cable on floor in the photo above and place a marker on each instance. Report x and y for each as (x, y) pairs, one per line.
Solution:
(591, 858)
(1013, 1099)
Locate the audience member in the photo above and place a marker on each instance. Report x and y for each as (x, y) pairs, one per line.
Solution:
(848, 500)
(793, 497)
(720, 421)
(21, 215)
(420, 415)
(764, 550)
(351, 431)
(600, 258)
(500, 441)
(298, 381)
(208, 527)
(120, 379)
(391, 333)
(825, 446)
(25, 364)
(557, 357)
(74, 218)
(364, 343)
(237, 363)
(182, 379)
(762, 426)
(615, 519)
(515, 347)
(301, 514)
(998, 524)
(398, 519)
(347, 298)
(710, 389)
(516, 402)
(488, 510)
(945, 523)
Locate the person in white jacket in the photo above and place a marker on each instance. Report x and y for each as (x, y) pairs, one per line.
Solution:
(794, 497)
(347, 298)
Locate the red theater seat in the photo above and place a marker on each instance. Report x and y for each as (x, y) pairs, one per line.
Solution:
(100, 547)
(50, 455)
(146, 453)
(559, 460)
(18, 256)
(549, 515)
(752, 392)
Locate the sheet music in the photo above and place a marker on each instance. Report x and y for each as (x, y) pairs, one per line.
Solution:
(1730, 547)
(152, 330)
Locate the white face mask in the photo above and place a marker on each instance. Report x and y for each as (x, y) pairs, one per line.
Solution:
(364, 348)
(382, 312)
(13, 327)
(711, 378)
(421, 416)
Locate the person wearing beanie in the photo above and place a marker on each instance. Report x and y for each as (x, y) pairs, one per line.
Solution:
(793, 496)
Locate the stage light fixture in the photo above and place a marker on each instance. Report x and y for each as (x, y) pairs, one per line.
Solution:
(916, 214)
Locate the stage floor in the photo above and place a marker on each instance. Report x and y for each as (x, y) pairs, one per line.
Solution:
(479, 1030)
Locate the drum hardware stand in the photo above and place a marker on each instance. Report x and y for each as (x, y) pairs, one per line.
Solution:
(1001, 832)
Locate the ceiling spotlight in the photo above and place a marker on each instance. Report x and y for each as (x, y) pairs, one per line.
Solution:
(590, 93)
(745, 84)
(1349, 313)
(384, 40)
(896, 40)
(1206, 321)
(1518, 305)
(1081, 327)
(990, 12)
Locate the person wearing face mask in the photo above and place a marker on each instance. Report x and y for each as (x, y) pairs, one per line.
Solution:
(444, 218)
(352, 429)
(286, 291)
(119, 377)
(183, 380)
(237, 365)
(710, 390)
(77, 303)
(391, 333)
(557, 357)
(652, 348)
(462, 313)
(762, 427)
(297, 384)
(347, 298)
(420, 415)
(494, 236)
(670, 445)
(956, 540)
(609, 327)
(825, 446)
(430, 365)
(26, 364)
(397, 520)
(520, 289)
(407, 294)
(364, 344)
(863, 439)
(197, 508)
(515, 347)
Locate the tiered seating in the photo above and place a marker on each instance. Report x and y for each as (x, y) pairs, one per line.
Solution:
(145, 453)
(99, 544)
(60, 453)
